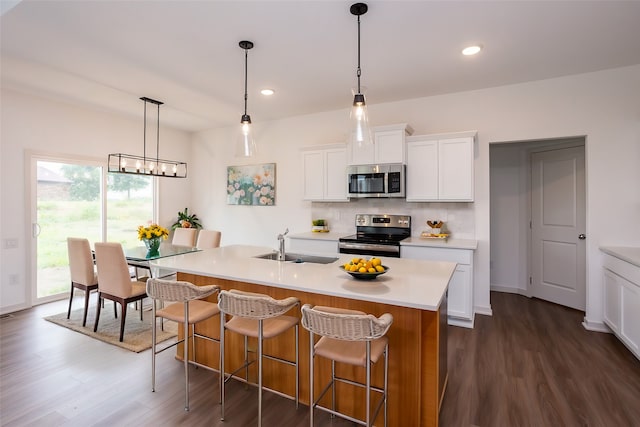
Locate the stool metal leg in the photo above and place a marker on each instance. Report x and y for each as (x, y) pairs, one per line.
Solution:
(260, 373)
(368, 392)
(153, 349)
(222, 320)
(386, 383)
(333, 387)
(311, 357)
(185, 345)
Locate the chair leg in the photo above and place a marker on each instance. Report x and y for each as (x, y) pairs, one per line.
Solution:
(87, 294)
(122, 319)
(297, 368)
(386, 381)
(70, 300)
(100, 299)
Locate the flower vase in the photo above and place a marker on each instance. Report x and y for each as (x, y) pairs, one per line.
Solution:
(153, 246)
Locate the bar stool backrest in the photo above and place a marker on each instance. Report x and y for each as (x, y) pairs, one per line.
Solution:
(178, 291)
(253, 306)
(342, 324)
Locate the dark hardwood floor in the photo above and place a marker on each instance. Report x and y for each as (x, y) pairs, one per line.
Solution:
(530, 364)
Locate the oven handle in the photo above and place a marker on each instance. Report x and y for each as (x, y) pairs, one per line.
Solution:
(369, 246)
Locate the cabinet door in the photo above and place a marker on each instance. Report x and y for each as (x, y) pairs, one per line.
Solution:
(336, 175)
(455, 169)
(630, 314)
(611, 301)
(313, 164)
(461, 293)
(361, 155)
(422, 171)
(389, 146)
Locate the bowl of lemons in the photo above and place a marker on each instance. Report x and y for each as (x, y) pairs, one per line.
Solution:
(362, 269)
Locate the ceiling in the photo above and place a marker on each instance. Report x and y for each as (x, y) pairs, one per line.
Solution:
(107, 54)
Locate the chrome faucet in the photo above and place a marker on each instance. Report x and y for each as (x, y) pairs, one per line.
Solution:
(281, 242)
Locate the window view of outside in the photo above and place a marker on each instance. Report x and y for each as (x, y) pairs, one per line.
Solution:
(69, 202)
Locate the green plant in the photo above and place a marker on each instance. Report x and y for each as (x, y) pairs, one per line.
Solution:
(186, 221)
(318, 222)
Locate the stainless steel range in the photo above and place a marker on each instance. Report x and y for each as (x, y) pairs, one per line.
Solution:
(377, 235)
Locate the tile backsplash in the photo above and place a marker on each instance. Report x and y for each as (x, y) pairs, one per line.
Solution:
(459, 218)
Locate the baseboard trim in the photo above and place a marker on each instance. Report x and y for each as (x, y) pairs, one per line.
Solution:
(591, 325)
(464, 323)
(509, 290)
(484, 310)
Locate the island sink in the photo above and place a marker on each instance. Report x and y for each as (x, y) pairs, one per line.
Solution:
(299, 258)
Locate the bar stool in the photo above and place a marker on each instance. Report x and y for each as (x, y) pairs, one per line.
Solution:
(351, 337)
(187, 304)
(258, 316)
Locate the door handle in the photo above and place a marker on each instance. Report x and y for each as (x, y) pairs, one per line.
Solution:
(582, 236)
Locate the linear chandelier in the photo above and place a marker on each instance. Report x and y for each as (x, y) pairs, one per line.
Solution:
(143, 165)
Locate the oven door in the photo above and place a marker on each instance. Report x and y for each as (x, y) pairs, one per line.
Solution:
(370, 249)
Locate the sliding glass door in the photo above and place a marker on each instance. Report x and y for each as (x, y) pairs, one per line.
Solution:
(76, 198)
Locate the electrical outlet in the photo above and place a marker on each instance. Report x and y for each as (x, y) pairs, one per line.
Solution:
(10, 243)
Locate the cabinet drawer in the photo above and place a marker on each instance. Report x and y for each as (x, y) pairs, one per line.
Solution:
(623, 268)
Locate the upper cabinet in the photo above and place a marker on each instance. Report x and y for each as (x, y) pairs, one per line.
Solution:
(440, 167)
(389, 146)
(325, 173)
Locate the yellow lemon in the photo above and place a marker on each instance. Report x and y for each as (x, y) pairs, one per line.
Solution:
(368, 264)
(372, 270)
(376, 262)
(355, 260)
(353, 268)
(362, 270)
(347, 266)
(379, 268)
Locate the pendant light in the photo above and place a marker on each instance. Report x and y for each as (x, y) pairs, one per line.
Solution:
(360, 131)
(246, 146)
(154, 166)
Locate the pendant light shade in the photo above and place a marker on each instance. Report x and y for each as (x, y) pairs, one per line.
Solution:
(246, 145)
(147, 165)
(359, 119)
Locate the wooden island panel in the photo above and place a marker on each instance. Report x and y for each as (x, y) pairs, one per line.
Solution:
(417, 355)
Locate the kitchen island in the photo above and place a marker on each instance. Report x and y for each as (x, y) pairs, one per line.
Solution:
(413, 291)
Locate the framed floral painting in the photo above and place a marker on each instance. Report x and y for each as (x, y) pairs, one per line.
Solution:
(252, 185)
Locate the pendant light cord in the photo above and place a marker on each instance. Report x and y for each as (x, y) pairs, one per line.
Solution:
(158, 138)
(245, 80)
(359, 71)
(144, 135)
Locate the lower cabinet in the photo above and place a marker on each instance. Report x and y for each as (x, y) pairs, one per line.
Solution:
(460, 305)
(622, 301)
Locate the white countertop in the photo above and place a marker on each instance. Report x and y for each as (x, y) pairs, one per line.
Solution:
(409, 283)
(440, 243)
(411, 241)
(311, 235)
(625, 253)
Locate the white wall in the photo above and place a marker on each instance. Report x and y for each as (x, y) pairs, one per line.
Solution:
(37, 124)
(603, 106)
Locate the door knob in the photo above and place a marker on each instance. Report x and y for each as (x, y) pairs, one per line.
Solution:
(582, 236)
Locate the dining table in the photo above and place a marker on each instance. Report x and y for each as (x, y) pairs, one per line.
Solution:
(139, 257)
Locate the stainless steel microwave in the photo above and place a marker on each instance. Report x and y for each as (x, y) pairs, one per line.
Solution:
(383, 180)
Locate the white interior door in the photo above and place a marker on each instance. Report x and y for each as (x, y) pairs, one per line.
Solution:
(558, 226)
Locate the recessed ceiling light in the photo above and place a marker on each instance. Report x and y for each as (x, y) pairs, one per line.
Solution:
(471, 50)
(267, 92)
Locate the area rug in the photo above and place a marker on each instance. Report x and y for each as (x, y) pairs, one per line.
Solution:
(137, 334)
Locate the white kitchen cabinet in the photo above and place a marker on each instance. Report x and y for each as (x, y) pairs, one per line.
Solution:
(325, 174)
(440, 167)
(389, 146)
(460, 310)
(621, 280)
